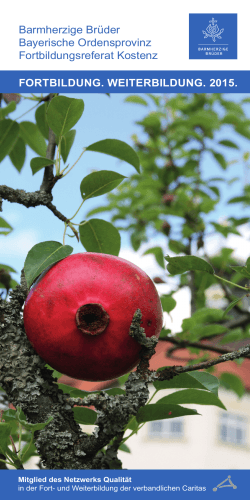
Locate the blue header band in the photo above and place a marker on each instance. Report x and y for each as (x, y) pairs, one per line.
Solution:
(125, 81)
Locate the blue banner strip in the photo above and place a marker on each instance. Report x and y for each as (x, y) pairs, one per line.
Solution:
(125, 483)
(125, 81)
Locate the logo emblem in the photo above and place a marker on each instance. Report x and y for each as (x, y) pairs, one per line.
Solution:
(222, 485)
(213, 30)
(212, 36)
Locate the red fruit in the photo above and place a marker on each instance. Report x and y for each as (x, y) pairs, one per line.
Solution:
(167, 199)
(78, 315)
(165, 228)
(158, 280)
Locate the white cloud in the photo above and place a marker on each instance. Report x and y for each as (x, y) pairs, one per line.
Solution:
(148, 264)
(240, 244)
(17, 244)
(182, 310)
(12, 217)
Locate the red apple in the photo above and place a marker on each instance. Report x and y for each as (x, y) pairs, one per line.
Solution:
(78, 315)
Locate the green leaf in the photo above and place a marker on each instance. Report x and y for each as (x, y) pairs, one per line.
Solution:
(67, 143)
(43, 255)
(176, 246)
(220, 159)
(242, 270)
(136, 99)
(55, 374)
(84, 416)
(225, 230)
(192, 396)
(239, 222)
(168, 303)
(63, 113)
(243, 130)
(215, 190)
(41, 120)
(197, 380)
(74, 393)
(31, 134)
(77, 393)
(7, 109)
(5, 431)
(40, 162)
(240, 199)
(118, 149)
(124, 447)
(5, 225)
(179, 265)
(8, 269)
(133, 425)
(8, 136)
(231, 181)
(156, 99)
(164, 333)
(35, 427)
(232, 336)
(232, 107)
(229, 144)
(162, 411)
(210, 382)
(136, 241)
(17, 154)
(123, 379)
(158, 253)
(10, 417)
(232, 304)
(152, 123)
(6, 282)
(12, 284)
(202, 316)
(20, 414)
(100, 236)
(28, 451)
(114, 391)
(98, 183)
(203, 331)
(232, 382)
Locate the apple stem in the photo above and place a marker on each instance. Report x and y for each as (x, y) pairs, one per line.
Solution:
(92, 319)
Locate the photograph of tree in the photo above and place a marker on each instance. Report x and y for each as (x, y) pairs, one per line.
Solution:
(124, 301)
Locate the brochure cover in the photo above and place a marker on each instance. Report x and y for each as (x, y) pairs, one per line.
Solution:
(125, 269)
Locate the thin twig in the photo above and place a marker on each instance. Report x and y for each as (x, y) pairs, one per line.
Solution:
(230, 356)
(182, 344)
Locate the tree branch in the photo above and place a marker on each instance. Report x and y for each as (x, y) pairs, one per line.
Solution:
(48, 176)
(176, 370)
(34, 199)
(29, 385)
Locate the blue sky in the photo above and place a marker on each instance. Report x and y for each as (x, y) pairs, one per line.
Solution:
(104, 117)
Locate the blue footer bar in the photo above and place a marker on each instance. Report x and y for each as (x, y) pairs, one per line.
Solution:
(124, 483)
